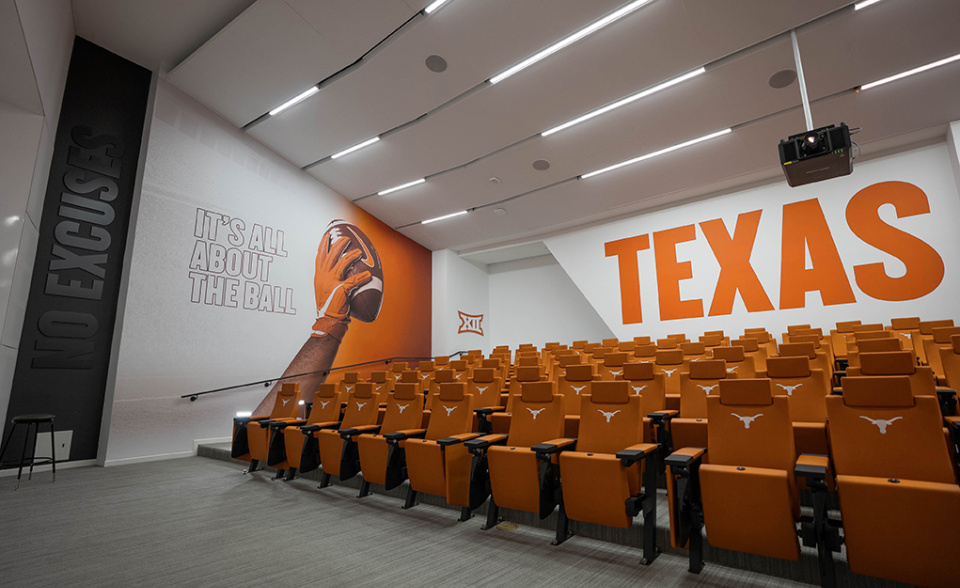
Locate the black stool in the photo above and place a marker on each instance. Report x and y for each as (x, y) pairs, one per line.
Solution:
(34, 421)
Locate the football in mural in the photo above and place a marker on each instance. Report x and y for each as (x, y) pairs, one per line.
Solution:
(368, 298)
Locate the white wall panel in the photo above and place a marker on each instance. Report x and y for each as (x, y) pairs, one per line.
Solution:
(459, 286)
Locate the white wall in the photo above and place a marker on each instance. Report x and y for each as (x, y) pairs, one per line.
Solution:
(42, 34)
(459, 286)
(533, 300)
(927, 173)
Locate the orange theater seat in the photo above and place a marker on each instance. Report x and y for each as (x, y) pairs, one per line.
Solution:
(345, 386)
(650, 388)
(703, 379)
(924, 333)
(747, 493)
(751, 348)
(818, 359)
(601, 478)
(669, 363)
(252, 435)
(301, 448)
(382, 386)
(646, 352)
(508, 467)
(904, 328)
(437, 461)
(902, 363)
(738, 362)
(806, 392)
(500, 422)
(380, 462)
(899, 497)
(611, 367)
(396, 369)
(950, 359)
(338, 452)
(574, 383)
(485, 386)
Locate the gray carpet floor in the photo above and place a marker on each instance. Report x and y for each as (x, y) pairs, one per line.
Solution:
(200, 522)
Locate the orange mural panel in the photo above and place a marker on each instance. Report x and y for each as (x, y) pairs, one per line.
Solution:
(670, 271)
(626, 252)
(736, 273)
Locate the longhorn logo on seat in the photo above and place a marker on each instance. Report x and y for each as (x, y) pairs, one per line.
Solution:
(482, 389)
(577, 389)
(746, 420)
(536, 413)
(402, 407)
(284, 401)
(323, 404)
(360, 405)
(637, 389)
(790, 389)
(881, 423)
(707, 389)
(669, 372)
(450, 409)
(608, 415)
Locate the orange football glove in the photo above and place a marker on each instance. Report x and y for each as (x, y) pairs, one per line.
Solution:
(333, 289)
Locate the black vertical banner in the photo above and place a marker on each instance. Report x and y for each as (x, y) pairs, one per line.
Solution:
(64, 350)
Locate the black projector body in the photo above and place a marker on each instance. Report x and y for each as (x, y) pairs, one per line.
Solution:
(816, 155)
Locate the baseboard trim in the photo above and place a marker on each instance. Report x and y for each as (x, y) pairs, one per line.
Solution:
(198, 442)
(147, 458)
(61, 465)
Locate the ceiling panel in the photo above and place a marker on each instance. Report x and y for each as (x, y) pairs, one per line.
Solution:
(271, 53)
(157, 35)
(478, 40)
(18, 86)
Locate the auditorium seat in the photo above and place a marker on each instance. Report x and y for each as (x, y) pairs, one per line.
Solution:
(426, 372)
(711, 341)
(902, 363)
(669, 363)
(508, 468)
(437, 461)
(899, 497)
(689, 428)
(338, 452)
(737, 361)
(461, 369)
(940, 338)
(950, 359)
(925, 332)
(572, 385)
(500, 422)
(667, 344)
(346, 384)
(611, 367)
(904, 328)
(764, 340)
(840, 336)
(724, 340)
(646, 352)
(818, 359)
(441, 361)
(251, 435)
(651, 389)
(642, 340)
(382, 386)
(380, 462)
(807, 393)
(396, 369)
(871, 346)
(693, 351)
(484, 385)
(747, 490)
(751, 348)
(601, 477)
(301, 448)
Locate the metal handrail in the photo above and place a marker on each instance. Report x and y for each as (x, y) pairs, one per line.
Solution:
(193, 396)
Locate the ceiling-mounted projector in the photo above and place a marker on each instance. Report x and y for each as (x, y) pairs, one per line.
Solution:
(817, 155)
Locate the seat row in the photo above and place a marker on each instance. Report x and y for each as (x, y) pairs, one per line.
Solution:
(742, 484)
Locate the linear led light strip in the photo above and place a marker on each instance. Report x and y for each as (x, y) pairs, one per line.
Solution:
(654, 154)
(356, 147)
(625, 10)
(916, 70)
(438, 3)
(864, 4)
(444, 217)
(401, 187)
(624, 102)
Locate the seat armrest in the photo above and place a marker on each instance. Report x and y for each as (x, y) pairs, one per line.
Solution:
(632, 455)
(812, 467)
(480, 444)
(455, 439)
(308, 406)
(842, 363)
(397, 436)
(948, 400)
(267, 423)
(312, 428)
(662, 416)
(837, 391)
(346, 434)
(684, 458)
(953, 423)
(488, 410)
(545, 450)
(285, 424)
(240, 421)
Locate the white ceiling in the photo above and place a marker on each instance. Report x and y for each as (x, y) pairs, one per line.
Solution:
(243, 58)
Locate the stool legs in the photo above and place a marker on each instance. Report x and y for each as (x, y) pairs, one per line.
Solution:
(53, 452)
(23, 454)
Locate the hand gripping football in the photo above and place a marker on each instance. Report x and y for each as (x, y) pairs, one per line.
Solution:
(367, 298)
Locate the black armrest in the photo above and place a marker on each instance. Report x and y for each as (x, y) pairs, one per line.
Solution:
(347, 433)
(397, 436)
(812, 467)
(265, 424)
(480, 444)
(488, 410)
(629, 457)
(448, 441)
(661, 417)
(310, 428)
(842, 363)
(840, 374)
(837, 392)
(279, 425)
(545, 450)
(679, 459)
(240, 421)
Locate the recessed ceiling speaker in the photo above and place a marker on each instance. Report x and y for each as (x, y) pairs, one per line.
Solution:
(436, 64)
(782, 78)
(541, 165)
(817, 155)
